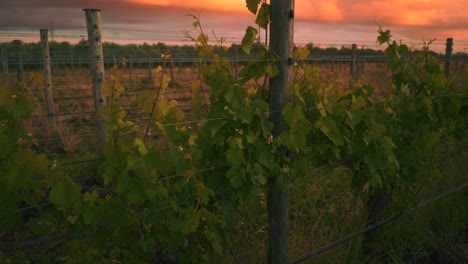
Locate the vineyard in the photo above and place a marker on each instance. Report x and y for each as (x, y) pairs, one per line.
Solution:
(250, 154)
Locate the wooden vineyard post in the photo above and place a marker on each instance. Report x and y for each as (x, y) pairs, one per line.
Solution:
(47, 74)
(130, 71)
(96, 65)
(353, 65)
(281, 42)
(6, 76)
(236, 62)
(150, 67)
(19, 61)
(448, 56)
(171, 66)
(362, 65)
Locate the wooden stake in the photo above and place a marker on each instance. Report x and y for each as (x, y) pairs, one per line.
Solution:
(47, 73)
(19, 60)
(130, 71)
(236, 61)
(353, 66)
(96, 65)
(448, 56)
(171, 65)
(281, 42)
(6, 76)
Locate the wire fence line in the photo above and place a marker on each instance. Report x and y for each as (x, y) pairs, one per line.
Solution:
(377, 225)
(194, 171)
(90, 134)
(215, 117)
(177, 62)
(159, 179)
(335, 164)
(76, 93)
(5, 247)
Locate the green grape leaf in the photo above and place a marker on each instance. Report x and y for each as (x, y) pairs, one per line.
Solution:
(191, 225)
(252, 5)
(358, 102)
(301, 52)
(138, 142)
(293, 113)
(145, 100)
(263, 16)
(236, 177)
(118, 89)
(135, 194)
(91, 215)
(249, 38)
(107, 90)
(65, 194)
(115, 213)
(205, 51)
(300, 167)
(384, 36)
(202, 39)
(272, 69)
(264, 154)
(9, 214)
(204, 193)
(259, 175)
(163, 82)
(329, 128)
(163, 108)
(235, 156)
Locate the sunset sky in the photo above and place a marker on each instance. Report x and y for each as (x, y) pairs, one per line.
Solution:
(325, 22)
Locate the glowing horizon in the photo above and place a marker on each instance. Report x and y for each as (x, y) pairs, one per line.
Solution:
(237, 6)
(323, 22)
(392, 12)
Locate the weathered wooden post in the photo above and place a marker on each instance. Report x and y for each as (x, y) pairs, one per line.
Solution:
(96, 65)
(150, 68)
(194, 66)
(6, 76)
(47, 73)
(171, 65)
(19, 60)
(448, 56)
(362, 63)
(353, 63)
(281, 42)
(236, 61)
(130, 71)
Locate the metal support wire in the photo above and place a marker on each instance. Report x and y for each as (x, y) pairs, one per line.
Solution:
(376, 225)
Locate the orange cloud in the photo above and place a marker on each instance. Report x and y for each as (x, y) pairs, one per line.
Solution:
(388, 12)
(224, 5)
(325, 10)
(407, 12)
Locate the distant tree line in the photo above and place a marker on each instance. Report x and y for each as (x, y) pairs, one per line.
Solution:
(67, 53)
